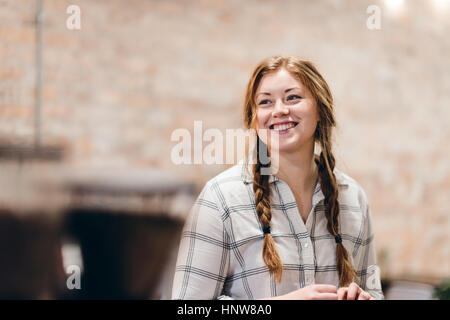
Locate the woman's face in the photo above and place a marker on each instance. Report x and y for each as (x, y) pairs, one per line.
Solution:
(287, 110)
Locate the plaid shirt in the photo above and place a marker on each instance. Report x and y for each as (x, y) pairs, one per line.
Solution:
(220, 253)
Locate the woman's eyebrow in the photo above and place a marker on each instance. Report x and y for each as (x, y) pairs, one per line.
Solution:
(287, 90)
(266, 93)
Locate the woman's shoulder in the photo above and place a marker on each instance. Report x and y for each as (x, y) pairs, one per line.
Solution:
(351, 192)
(230, 183)
(229, 179)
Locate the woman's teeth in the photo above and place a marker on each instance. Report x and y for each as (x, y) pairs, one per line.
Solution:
(281, 127)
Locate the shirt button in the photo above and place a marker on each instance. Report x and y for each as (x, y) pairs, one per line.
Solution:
(306, 245)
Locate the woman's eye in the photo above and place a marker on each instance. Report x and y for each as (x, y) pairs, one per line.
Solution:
(264, 102)
(293, 97)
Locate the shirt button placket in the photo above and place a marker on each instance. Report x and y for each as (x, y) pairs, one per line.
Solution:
(308, 259)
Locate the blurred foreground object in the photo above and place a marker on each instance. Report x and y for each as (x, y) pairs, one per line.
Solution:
(31, 216)
(408, 290)
(442, 291)
(126, 222)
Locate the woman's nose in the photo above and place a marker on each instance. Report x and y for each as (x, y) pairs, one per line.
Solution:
(280, 109)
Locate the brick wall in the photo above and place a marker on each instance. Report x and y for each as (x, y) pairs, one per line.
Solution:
(114, 91)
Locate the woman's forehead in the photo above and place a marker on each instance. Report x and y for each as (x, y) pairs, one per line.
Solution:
(280, 80)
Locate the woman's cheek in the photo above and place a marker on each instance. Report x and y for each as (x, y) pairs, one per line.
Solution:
(263, 118)
(262, 130)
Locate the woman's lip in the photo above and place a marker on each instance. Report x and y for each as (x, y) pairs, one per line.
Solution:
(281, 123)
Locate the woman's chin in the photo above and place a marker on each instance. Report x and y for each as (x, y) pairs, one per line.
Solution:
(285, 148)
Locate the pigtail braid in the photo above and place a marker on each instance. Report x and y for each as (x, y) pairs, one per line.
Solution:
(262, 199)
(329, 187)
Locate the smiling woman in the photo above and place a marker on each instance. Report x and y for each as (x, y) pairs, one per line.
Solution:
(303, 232)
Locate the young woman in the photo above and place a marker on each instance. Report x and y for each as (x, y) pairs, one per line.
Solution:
(303, 232)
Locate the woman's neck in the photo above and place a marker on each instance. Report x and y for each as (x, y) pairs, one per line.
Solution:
(298, 169)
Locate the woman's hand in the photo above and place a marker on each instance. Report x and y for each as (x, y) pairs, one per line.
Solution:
(312, 292)
(353, 292)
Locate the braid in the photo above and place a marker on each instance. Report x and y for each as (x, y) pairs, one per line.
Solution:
(329, 187)
(262, 193)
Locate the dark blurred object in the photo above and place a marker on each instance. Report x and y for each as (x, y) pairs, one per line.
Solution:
(442, 291)
(126, 222)
(30, 260)
(30, 153)
(30, 223)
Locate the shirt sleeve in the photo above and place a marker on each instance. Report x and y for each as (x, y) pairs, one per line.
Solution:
(203, 256)
(365, 260)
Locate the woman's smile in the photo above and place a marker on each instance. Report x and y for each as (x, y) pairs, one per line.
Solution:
(283, 127)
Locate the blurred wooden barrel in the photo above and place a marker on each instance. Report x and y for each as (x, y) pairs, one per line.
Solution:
(126, 222)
